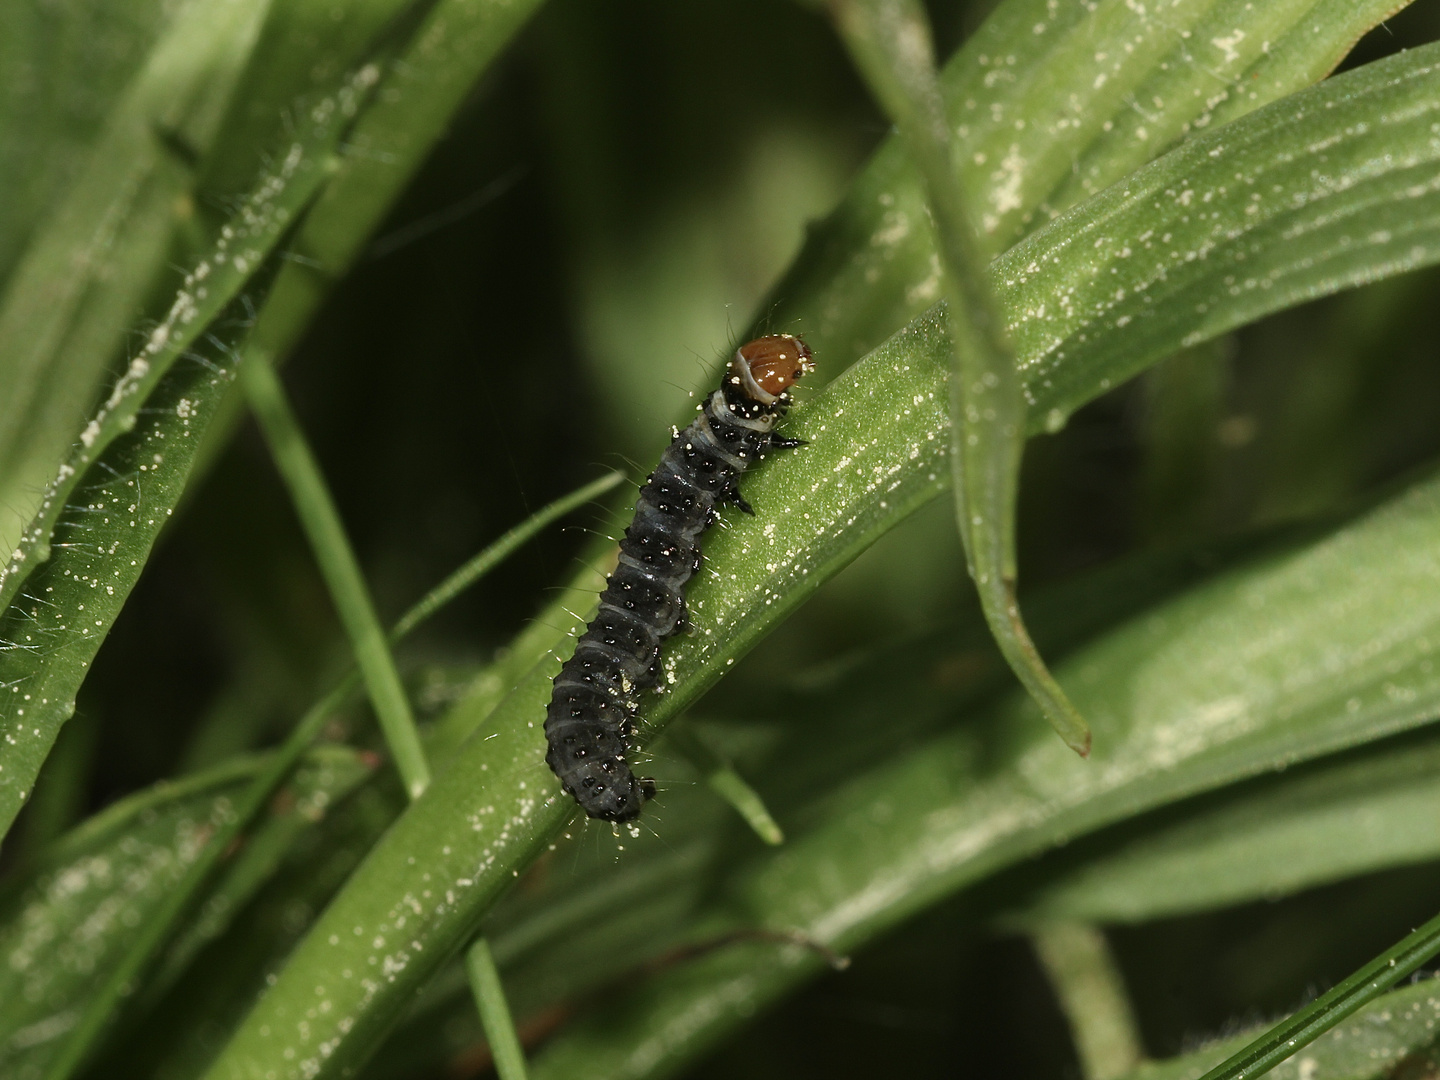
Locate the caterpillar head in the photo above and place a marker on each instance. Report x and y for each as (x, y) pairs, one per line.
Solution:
(769, 366)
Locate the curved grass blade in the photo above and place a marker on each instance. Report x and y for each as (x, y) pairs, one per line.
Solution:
(90, 1007)
(331, 548)
(1087, 980)
(1361, 813)
(890, 43)
(495, 1012)
(83, 552)
(95, 256)
(1040, 97)
(878, 443)
(726, 782)
(75, 915)
(1290, 1036)
(1185, 703)
(1237, 223)
(500, 550)
(1391, 1038)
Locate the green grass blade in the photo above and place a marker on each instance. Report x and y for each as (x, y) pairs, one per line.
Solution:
(289, 65)
(1044, 132)
(1290, 1036)
(90, 264)
(1361, 813)
(74, 920)
(338, 565)
(878, 446)
(890, 43)
(1281, 216)
(499, 551)
(95, 1005)
(98, 1007)
(726, 782)
(42, 142)
(415, 103)
(1185, 702)
(495, 1012)
(1392, 1037)
(82, 553)
(1083, 973)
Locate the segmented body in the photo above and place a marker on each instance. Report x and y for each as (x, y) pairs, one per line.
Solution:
(597, 693)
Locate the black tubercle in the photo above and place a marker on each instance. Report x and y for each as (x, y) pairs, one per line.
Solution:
(597, 693)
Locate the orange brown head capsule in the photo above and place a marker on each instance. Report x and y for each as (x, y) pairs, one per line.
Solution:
(776, 361)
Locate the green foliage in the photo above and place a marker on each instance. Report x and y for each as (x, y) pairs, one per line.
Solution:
(77, 911)
(1171, 191)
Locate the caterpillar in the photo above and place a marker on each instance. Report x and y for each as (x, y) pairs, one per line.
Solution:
(596, 694)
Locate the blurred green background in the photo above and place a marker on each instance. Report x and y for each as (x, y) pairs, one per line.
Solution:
(605, 219)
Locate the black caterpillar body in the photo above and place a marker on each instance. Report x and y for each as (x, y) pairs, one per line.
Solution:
(597, 692)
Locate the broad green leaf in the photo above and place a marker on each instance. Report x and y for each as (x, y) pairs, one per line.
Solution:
(305, 48)
(1184, 399)
(89, 267)
(1296, 654)
(1330, 188)
(66, 67)
(83, 551)
(62, 929)
(890, 43)
(1333, 820)
(588, 918)
(1393, 1037)
(180, 1033)
(878, 437)
(158, 928)
(1052, 102)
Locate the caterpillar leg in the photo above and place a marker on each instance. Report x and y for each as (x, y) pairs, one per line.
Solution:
(735, 499)
(786, 442)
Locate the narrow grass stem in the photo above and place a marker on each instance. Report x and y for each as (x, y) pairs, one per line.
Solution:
(890, 43)
(726, 782)
(1329, 1009)
(1084, 976)
(498, 552)
(321, 522)
(495, 1012)
(152, 935)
